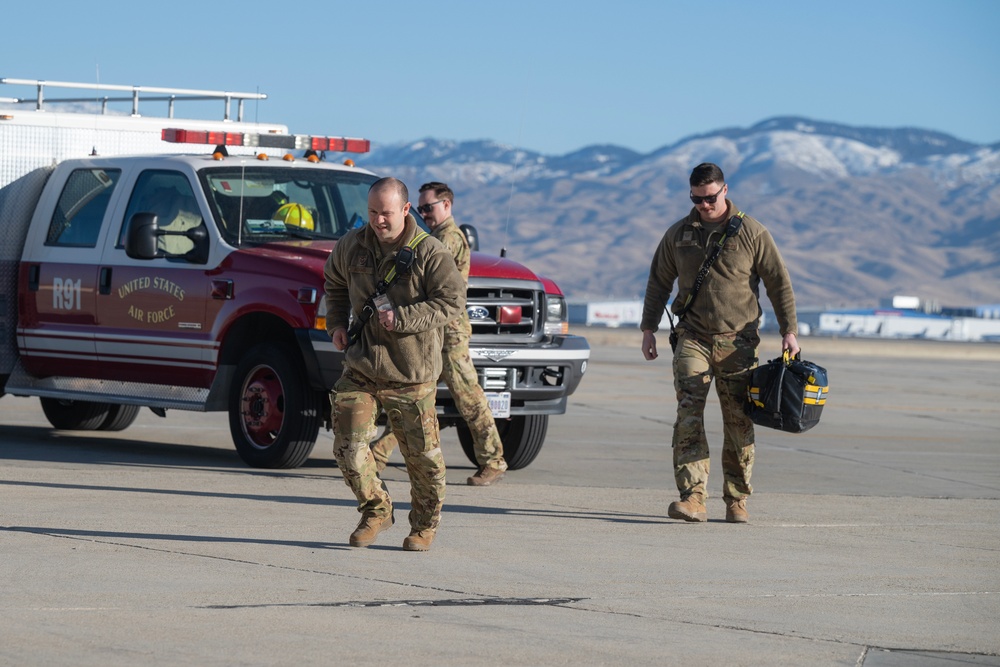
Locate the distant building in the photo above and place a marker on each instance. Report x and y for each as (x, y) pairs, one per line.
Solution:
(908, 317)
(898, 317)
(613, 314)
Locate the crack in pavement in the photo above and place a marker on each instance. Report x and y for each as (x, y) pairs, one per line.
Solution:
(461, 602)
(241, 561)
(775, 633)
(568, 603)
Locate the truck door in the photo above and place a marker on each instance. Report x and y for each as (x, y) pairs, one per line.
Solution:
(152, 313)
(59, 276)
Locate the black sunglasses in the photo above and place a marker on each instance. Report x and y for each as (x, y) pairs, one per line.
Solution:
(426, 208)
(708, 199)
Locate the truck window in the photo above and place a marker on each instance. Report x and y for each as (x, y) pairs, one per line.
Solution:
(77, 219)
(355, 201)
(169, 196)
(260, 204)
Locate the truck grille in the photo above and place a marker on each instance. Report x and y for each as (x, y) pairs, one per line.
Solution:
(504, 310)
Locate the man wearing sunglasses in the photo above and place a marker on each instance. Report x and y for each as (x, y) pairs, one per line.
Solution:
(717, 335)
(459, 373)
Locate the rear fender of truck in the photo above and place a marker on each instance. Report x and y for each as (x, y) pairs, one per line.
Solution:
(18, 201)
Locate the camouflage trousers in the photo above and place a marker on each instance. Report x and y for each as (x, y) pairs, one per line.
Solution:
(459, 374)
(728, 359)
(357, 402)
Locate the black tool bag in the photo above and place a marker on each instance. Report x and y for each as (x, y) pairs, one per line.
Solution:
(787, 394)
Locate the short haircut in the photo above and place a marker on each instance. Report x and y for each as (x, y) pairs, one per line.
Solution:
(706, 173)
(391, 184)
(441, 190)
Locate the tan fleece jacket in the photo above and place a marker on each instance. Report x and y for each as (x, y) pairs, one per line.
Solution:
(729, 299)
(426, 298)
(454, 239)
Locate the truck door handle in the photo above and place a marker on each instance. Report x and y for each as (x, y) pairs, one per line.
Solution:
(34, 271)
(104, 283)
(222, 289)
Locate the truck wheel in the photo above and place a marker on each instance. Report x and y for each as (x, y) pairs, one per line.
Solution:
(274, 415)
(119, 418)
(522, 438)
(68, 415)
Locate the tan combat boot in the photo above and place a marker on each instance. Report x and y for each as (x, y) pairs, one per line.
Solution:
(691, 508)
(486, 476)
(736, 510)
(418, 540)
(369, 528)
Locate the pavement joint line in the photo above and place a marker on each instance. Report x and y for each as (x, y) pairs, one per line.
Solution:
(894, 524)
(196, 493)
(720, 626)
(894, 469)
(934, 652)
(788, 635)
(240, 561)
(783, 596)
(435, 588)
(887, 452)
(459, 602)
(604, 410)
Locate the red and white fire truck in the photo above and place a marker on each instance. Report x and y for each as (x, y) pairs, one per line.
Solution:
(139, 270)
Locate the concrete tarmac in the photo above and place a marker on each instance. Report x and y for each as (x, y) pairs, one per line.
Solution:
(873, 539)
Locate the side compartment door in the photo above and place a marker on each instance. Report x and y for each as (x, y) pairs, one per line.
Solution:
(59, 272)
(152, 312)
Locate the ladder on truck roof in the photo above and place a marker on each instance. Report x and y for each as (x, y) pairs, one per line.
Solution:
(150, 93)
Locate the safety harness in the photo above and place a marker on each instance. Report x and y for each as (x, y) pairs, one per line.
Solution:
(731, 230)
(404, 259)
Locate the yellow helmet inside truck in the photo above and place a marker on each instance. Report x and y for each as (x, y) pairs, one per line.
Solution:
(295, 215)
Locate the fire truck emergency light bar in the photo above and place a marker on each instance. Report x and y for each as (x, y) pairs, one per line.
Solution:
(286, 141)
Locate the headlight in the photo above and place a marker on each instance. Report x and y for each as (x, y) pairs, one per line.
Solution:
(556, 320)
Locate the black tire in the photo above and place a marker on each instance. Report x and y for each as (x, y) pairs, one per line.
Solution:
(119, 418)
(522, 436)
(274, 415)
(69, 415)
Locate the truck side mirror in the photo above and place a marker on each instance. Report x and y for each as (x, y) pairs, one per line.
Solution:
(471, 235)
(199, 236)
(140, 240)
(144, 230)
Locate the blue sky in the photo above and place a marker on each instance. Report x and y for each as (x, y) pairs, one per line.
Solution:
(551, 76)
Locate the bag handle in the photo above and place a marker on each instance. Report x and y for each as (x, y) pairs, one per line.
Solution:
(788, 359)
(772, 401)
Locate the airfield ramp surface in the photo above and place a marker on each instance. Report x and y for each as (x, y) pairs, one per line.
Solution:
(873, 539)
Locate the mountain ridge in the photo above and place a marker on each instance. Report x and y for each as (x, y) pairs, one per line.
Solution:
(859, 213)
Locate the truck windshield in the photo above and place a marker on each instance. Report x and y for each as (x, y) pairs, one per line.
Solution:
(259, 204)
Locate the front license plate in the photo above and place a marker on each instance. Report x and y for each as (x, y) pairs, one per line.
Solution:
(499, 404)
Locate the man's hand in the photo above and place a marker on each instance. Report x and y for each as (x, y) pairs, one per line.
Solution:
(790, 343)
(649, 345)
(387, 318)
(340, 338)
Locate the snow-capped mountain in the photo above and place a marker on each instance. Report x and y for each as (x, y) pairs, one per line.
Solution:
(859, 213)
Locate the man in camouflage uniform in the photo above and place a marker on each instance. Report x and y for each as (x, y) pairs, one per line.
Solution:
(718, 336)
(395, 361)
(436, 200)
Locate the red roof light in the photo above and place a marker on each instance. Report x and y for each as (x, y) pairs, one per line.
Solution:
(286, 141)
